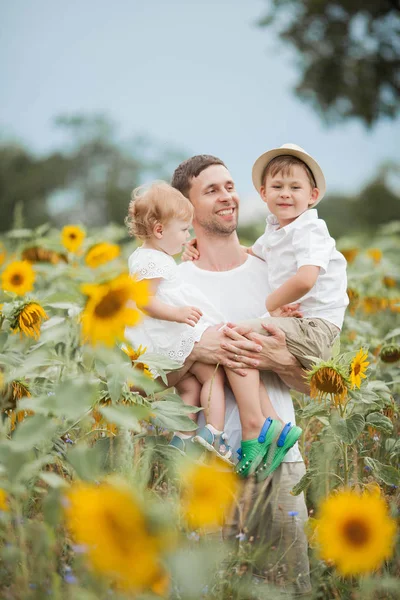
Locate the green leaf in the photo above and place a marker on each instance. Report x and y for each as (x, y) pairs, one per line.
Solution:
(173, 408)
(313, 409)
(126, 416)
(32, 431)
(379, 421)
(348, 429)
(53, 480)
(392, 334)
(304, 482)
(174, 422)
(86, 461)
(387, 474)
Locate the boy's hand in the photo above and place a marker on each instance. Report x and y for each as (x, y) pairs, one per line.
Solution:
(190, 252)
(288, 310)
(189, 314)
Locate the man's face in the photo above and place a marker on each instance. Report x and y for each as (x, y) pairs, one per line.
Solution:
(215, 200)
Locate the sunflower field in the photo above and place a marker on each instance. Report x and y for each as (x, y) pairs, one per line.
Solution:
(94, 504)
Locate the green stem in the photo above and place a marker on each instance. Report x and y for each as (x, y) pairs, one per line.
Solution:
(345, 464)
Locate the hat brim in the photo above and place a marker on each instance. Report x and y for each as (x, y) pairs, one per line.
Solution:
(263, 160)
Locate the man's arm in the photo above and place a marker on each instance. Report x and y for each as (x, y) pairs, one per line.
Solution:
(270, 354)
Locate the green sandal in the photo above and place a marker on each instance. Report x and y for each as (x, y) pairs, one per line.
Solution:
(252, 452)
(277, 452)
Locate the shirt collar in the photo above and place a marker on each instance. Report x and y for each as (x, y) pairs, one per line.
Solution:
(308, 215)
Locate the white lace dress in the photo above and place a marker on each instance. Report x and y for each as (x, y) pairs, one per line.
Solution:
(171, 339)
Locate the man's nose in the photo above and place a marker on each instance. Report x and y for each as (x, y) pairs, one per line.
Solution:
(225, 195)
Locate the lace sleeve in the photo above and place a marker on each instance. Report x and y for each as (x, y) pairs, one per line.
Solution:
(151, 264)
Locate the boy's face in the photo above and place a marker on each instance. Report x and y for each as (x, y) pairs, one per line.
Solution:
(288, 196)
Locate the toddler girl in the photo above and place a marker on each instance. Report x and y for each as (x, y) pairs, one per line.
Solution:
(177, 313)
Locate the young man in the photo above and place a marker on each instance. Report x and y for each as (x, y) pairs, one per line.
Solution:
(237, 286)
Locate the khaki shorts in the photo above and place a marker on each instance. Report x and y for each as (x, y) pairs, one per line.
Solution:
(304, 337)
(273, 522)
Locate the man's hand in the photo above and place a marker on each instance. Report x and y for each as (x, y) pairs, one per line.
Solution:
(288, 310)
(209, 349)
(264, 352)
(188, 314)
(190, 252)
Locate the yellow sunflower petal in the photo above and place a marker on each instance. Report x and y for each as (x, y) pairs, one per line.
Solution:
(72, 237)
(101, 253)
(18, 277)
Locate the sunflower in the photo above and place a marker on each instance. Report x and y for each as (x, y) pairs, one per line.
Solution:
(37, 254)
(109, 521)
(390, 353)
(13, 392)
(3, 254)
(102, 253)
(134, 355)
(350, 254)
(394, 305)
(358, 368)
(28, 318)
(389, 282)
(3, 501)
(208, 492)
(18, 277)
(109, 308)
(375, 254)
(328, 378)
(354, 299)
(373, 304)
(72, 237)
(355, 531)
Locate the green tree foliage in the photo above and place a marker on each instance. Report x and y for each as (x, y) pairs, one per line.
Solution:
(349, 54)
(90, 180)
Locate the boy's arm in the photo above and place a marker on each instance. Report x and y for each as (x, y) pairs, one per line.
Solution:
(294, 288)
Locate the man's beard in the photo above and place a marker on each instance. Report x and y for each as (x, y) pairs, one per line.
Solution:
(217, 228)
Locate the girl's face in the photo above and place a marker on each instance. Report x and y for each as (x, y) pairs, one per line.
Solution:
(172, 236)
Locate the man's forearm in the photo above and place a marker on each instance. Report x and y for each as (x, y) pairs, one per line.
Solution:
(293, 375)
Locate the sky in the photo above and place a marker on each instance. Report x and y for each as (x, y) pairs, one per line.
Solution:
(198, 75)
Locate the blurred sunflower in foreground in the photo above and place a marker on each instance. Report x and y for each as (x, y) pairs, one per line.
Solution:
(111, 307)
(101, 253)
(355, 531)
(109, 521)
(3, 501)
(18, 277)
(208, 493)
(27, 318)
(72, 237)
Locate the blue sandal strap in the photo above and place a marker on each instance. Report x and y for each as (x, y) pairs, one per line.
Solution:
(282, 437)
(263, 433)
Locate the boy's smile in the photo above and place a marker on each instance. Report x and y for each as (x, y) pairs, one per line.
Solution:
(289, 194)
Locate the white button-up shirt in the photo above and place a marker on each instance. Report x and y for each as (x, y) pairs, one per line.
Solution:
(306, 241)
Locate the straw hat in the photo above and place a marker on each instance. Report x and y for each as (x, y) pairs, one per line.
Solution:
(291, 150)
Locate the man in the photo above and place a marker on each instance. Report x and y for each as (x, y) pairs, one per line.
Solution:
(237, 285)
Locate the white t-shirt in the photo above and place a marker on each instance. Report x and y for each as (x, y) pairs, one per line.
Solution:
(239, 294)
(306, 241)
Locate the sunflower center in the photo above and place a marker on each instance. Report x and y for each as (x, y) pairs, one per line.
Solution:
(72, 236)
(118, 532)
(356, 532)
(110, 305)
(17, 279)
(329, 381)
(357, 368)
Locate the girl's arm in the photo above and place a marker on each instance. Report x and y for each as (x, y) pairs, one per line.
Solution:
(294, 288)
(157, 309)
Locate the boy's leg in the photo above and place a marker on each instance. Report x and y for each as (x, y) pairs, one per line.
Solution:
(253, 402)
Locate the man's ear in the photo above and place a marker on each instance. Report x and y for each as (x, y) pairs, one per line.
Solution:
(314, 196)
(158, 231)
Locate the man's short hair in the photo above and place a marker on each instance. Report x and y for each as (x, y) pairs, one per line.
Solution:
(192, 167)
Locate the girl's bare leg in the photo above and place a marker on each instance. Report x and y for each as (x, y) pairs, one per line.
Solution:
(253, 402)
(189, 389)
(212, 395)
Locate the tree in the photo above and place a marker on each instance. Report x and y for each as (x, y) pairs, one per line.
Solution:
(349, 54)
(88, 180)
